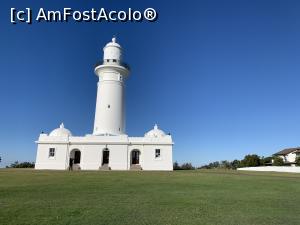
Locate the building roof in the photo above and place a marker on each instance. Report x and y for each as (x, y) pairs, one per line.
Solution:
(155, 132)
(61, 131)
(287, 151)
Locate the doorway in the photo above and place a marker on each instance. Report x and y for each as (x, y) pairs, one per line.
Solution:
(135, 157)
(77, 156)
(105, 157)
(75, 159)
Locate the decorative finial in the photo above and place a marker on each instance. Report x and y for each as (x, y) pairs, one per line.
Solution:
(62, 125)
(114, 39)
(155, 127)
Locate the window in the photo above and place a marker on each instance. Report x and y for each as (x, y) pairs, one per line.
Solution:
(114, 60)
(51, 152)
(108, 106)
(157, 153)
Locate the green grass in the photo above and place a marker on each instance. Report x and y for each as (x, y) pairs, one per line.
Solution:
(180, 197)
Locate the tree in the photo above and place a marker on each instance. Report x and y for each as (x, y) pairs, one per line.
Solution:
(187, 166)
(225, 164)
(16, 164)
(211, 165)
(184, 166)
(251, 161)
(215, 164)
(265, 161)
(278, 161)
(176, 166)
(235, 164)
(297, 160)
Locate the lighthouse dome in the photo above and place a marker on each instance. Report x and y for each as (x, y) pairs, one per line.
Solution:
(112, 51)
(113, 43)
(61, 131)
(155, 132)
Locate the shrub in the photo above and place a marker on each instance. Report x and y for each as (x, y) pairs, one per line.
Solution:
(212, 165)
(16, 164)
(297, 161)
(225, 164)
(251, 161)
(278, 161)
(266, 161)
(235, 164)
(184, 166)
(222, 165)
(187, 166)
(176, 166)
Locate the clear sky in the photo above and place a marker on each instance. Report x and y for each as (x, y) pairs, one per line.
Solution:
(222, 76)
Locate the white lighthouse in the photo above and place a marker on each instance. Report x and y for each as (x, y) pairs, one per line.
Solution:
(108, 147)
(110, 105)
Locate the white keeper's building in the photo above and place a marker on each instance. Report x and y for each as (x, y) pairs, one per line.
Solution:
(109, 147)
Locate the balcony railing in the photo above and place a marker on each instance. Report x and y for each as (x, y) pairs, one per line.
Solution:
(111, 62)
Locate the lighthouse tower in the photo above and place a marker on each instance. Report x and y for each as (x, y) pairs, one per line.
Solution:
(110, 104)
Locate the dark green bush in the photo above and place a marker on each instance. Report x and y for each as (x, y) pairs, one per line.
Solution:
(297, 161)
(266, 161)
(187, 166)
(278, 161)
(184, 166)
(16, 164)
(235, 164)
(250, 161)
(176, 166)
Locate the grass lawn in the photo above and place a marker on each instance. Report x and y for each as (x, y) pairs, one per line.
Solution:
(180, 197)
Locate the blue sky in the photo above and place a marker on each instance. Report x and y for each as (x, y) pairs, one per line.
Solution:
(221, 76)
